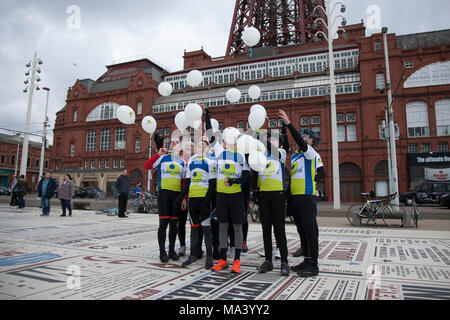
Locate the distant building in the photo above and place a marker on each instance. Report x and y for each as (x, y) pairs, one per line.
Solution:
(91, 144)
(9, 144)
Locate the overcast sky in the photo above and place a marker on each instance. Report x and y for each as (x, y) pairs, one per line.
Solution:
(108, 31)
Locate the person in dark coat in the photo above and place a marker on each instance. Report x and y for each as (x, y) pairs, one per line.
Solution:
(46, 189)
(21, 189)
(123, 188)
(65, 194)
(13, 201)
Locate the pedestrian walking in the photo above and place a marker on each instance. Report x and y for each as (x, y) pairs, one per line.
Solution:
(21, 189)
(46, 189)
(66, 193)
(13, 201)
(123, 188)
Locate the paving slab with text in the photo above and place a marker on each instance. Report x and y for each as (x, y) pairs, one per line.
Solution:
(91, 256)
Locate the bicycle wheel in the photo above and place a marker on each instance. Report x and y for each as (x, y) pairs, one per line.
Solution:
(355, 209)
(254, 212)
(393, 215)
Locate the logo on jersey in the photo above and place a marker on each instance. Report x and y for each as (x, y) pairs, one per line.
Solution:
(295, 169)
(197, 177)
(173, 170)
(229, 170)
(270, 169)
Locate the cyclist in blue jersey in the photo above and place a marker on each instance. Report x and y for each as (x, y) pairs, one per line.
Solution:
(306, 170)
(232, 172)
(272, 201)
(200, 184)
(171, 170)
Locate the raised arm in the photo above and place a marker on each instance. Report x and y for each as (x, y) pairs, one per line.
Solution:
(208, 126)
(303, 146)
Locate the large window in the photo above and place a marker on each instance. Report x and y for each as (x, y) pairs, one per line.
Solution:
(120, 139)
(417, 119)
(91, 140)
(105, 140)
(105, 111)
(434, 74)
(443, 117)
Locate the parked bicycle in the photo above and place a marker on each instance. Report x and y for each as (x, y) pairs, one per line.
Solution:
(147, 201)
(376, 208)
(151, 202)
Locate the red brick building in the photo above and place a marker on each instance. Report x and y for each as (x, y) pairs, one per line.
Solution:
(294, 78)
(9, 145)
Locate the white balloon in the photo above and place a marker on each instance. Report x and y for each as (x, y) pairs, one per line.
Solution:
(193, 112)
(257, 161)
(194, 78)
(245, 143)
(231, 135)
(256, 119)
(258, 107)
(233, 95)
(126, 115)
(195, 124)
(251, 36)
(254, 92)
(165, 89)
(258, 146)
(149, 124)
(181, 121)
(214, 125)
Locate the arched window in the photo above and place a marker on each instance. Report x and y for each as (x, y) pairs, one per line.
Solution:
(105, 111)
(417, 119)
(434, 74)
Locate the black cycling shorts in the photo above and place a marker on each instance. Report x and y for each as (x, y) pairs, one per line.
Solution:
(230, 208)
(166, 198)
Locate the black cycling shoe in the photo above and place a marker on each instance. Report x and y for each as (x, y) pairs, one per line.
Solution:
(265, 267)
(190, 260)
(309, 270)
(298, 267)
(163, 257)
(284, 269)
(209, 263)
(173, 255)
(299, 253)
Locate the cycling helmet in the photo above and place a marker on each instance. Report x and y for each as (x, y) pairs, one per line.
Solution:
(311, 134)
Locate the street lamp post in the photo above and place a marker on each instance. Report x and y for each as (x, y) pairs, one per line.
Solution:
(149, 174)
(44, 137)
(17, 154)
(394, 172)
(329, 11)
(34, 65)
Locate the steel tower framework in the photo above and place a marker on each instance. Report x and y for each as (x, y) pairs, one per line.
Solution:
(281, 22)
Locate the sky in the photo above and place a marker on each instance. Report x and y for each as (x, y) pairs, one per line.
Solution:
(76, 39)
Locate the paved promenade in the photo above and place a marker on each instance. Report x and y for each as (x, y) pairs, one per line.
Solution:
(91, 256)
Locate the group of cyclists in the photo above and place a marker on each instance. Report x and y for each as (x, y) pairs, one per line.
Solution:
(212, 187)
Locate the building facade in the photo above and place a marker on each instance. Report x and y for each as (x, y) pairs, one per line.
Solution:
(89, 140)
(11, 155)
